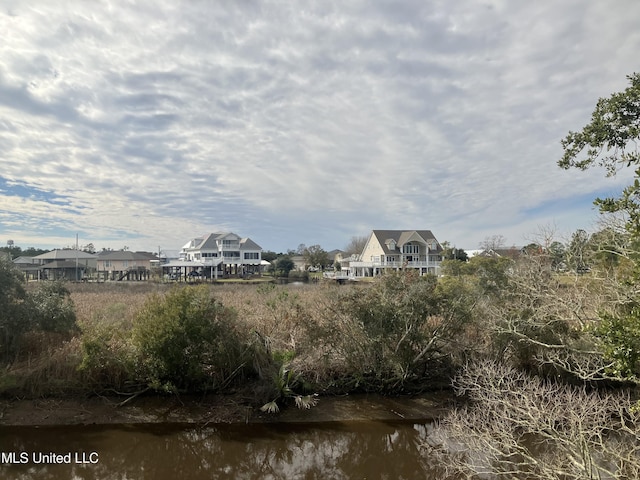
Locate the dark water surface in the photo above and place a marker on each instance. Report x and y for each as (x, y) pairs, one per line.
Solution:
(333, 450)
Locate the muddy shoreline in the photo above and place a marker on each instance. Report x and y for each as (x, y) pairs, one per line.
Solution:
(217, 409)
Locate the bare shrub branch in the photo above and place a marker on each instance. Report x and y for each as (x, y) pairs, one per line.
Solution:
(518, 426)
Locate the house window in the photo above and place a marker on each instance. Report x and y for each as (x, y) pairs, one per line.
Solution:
(232, 254)
(251, 256)
(107, 264)
(229, 243)
(411, 249)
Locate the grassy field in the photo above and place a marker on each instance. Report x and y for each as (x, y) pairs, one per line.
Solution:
(276, 311)
(276, 340)
(280, 322)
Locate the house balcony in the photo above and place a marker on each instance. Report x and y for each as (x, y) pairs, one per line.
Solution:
(405, 264)
(375, 268)
(240, 261)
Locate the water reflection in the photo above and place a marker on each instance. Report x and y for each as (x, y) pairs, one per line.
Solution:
(337, 450)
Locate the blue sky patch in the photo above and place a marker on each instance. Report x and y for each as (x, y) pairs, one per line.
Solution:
(20, 189)
(562, 205)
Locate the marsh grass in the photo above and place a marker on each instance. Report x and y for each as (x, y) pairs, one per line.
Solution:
(115, 301)
(312, 330)
(50, 369)
(283, 324)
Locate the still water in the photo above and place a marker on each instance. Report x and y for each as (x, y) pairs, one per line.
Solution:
(334, 450)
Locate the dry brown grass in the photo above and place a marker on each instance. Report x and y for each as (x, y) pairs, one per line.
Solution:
(275, 311)
(92, 299)
(51, 362)
(300, 326)
(291, 322)
(49, 371)
(283, 320)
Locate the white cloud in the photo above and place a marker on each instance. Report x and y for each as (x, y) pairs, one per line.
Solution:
(289, 124)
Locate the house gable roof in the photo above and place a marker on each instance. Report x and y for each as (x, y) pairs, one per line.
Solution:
(192, 243)
(210, 242)
(65, 254)
(336, 252)
(401, 237)
(24, 260)
(410, 236)
(248, 244)
(120, 255)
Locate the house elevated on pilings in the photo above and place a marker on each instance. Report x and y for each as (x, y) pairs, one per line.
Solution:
(125, 265)
(223, 254)
(63, 264)
(398, 249)
(29, 266)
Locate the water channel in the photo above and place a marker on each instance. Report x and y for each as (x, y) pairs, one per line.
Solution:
(365, 449)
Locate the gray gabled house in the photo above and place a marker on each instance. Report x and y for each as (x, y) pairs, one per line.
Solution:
(68, 264)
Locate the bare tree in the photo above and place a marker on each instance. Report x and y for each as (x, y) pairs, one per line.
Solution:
(356, 244)
(542, 322)
(581, 328)
(517, 426)
(545, 236)
(493, 242)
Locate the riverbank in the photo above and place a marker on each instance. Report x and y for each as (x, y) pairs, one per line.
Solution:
(218, 409)
(267, 345)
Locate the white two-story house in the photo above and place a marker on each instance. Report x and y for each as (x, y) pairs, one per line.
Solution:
(224, 253)
(397, 249)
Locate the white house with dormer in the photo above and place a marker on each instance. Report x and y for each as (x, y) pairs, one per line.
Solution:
(229, 253)
(398, 249)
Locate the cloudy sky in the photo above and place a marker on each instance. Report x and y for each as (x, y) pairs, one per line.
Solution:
(144, 124)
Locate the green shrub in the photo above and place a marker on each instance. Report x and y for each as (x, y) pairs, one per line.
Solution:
(187, 340)
(398, 330)
(13, 320)
(619, 336)
(50, 308)
(108, 357)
